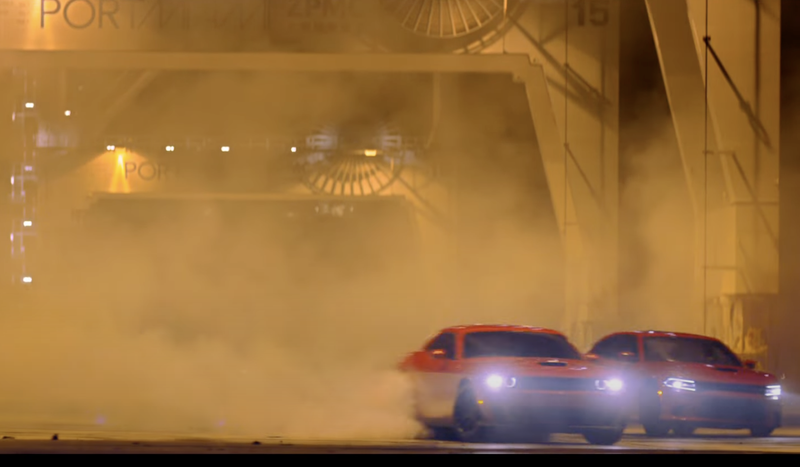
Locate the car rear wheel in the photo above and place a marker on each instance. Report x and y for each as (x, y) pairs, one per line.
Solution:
(656, 429)
(604, 437)
(761, 431)
(467, 417)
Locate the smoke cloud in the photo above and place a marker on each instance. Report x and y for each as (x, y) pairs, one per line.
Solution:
(234, 317)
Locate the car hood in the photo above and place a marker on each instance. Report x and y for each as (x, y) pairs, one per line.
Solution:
(720, 374)
(543, 367)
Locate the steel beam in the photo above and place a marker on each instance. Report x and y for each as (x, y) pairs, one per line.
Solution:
(721, 65)
(274, 62)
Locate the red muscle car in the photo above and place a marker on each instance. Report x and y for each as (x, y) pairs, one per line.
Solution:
(473, 381)
(683, 382)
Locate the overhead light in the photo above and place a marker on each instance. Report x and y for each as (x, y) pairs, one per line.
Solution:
(29, 105)
(225, 149)
(111, 147)
(12, 179)
(371, 153)
(294, 149)
(27, 223)
(27, 280)
(67, 113)
(170, 148)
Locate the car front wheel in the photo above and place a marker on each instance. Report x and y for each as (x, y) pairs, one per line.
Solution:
(761, 431)
(604, 437)
(467, 418)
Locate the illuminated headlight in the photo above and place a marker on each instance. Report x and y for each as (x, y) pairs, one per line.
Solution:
(773, 391)
(497, 382)
(611, 385)
(681, 384)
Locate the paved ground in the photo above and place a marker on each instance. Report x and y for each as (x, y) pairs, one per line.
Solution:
(88, 442)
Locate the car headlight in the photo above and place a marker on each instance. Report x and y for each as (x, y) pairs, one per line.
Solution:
(611, 385)
(680, 384)
(497, 381)
(773, 391)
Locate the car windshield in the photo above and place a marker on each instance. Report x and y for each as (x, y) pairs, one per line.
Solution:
(518, 344)
(689, 350)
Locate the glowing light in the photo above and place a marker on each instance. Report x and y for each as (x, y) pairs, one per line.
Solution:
(660, 393)
(12, 179)
(494, 381)
(120, 160)
(371, 153)
(680, 384)
(294, 149)
(28, 168)
(773, 391)
(226, 149)
(612, 385)
(27, 223)
(67, 113)
(170, 148)
(111, 147)
(480, 402)
(27, 280)
(29, 105)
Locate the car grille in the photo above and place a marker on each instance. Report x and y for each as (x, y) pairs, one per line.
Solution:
(734, 410)
(555, 384)
(736, 388)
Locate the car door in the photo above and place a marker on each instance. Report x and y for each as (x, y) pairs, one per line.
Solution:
(434, 375)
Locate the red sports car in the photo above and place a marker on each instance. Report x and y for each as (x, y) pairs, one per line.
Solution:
(685, 381)
(473, 380)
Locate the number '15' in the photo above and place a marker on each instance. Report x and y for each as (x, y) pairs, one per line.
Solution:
(596, 10)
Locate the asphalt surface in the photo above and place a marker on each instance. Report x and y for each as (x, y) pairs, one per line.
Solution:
(87, 442)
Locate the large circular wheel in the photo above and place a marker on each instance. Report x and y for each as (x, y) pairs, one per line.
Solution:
(467, 417)
(650, 414)
(683, 430)
(604, 437)
(761, 431)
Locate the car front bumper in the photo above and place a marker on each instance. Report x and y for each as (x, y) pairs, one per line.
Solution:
(558, 411)
(720, 410)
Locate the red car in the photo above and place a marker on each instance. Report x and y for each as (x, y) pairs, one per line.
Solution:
(475, 380)
(685, 381)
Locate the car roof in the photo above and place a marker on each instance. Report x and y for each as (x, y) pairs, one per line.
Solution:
(669, 334)
(499, 328)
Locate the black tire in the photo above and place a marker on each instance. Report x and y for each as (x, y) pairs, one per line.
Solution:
(439, 433)
(650, 414)
(604, 436)
(467, 418)
(762, 431)
(656, 429)
(683, 430)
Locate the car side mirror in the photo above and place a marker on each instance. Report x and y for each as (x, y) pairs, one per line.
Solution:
(439, 354)
(750, 364)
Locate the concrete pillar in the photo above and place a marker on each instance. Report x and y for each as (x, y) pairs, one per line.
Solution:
(730, 152)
